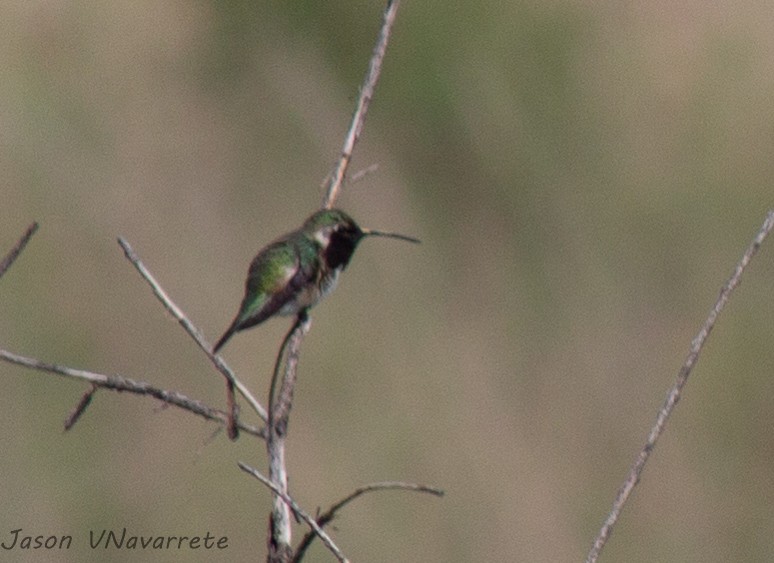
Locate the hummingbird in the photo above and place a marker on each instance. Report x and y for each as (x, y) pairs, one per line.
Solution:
(296, 271)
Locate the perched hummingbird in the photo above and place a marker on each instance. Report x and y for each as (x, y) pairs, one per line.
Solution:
(296, 271)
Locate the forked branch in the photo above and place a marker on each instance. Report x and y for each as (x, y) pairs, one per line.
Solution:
(119, 383)
(325, 518)
(279, 525)
(318, 531)
(337, 176)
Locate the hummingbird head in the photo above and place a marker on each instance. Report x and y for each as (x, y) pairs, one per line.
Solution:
(338, 235)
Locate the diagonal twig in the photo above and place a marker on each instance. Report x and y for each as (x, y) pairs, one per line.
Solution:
(194, 333)
(81, 407)
(324, 518)
(674, 393)
(324, 537)
(13, 254)
(361, 109)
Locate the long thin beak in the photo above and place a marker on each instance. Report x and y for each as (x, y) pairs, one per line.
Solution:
(372, 233)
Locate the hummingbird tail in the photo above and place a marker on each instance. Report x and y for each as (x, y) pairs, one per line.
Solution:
(223, 339)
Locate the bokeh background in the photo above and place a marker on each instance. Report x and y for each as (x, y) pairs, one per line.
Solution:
(583, 175)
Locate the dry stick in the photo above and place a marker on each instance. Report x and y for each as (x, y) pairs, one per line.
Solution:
(280, 527)
(281, 402)
(18, 247)
(196, 334)
(674, 393)
(119, 383)
(329, 514)
(361, 109)
(318, 531)
(275, 377)
(279, 539)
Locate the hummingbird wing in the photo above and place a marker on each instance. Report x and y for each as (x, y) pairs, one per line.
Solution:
(274, 279)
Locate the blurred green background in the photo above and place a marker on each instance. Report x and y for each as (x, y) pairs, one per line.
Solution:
(583, 175)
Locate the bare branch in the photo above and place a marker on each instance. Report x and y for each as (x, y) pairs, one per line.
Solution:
(361, 109)
(324, 518)
(280, 530)
(119, 383)
(280, 405)
(9, 259)
(193, 332)
(674, 393)
(319, 532)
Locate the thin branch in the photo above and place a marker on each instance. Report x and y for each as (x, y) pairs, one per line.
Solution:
(674, 393)
(13, 254)
(280, 405)
(192, 331)
(360, 174)
(319, 532)
(119, 383)
(275, 376)
(280, 402)
(324, 518)
(361, 109)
